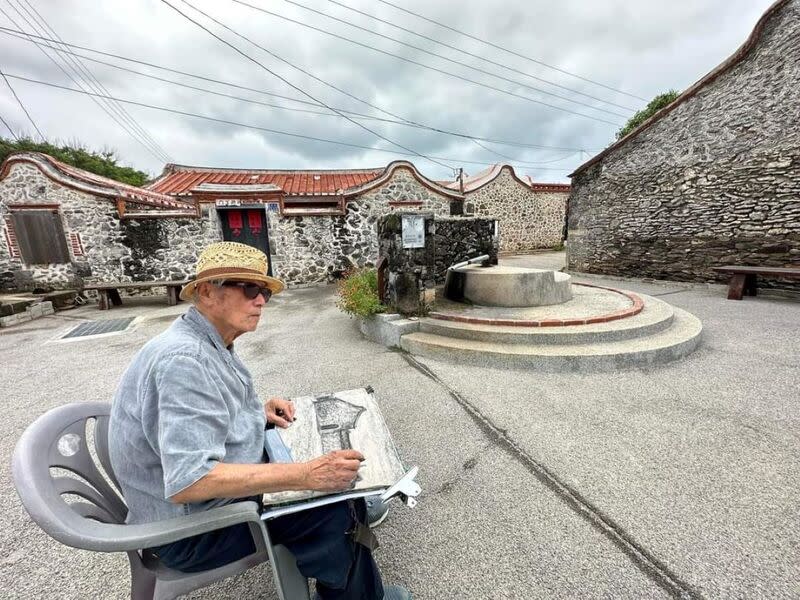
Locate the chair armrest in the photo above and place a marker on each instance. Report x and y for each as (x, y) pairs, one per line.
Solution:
(122, 538)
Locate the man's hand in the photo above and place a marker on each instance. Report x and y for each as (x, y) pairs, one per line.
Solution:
(334, 471)
(279, 411)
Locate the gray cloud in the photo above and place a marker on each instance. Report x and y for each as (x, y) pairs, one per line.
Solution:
(644, 48)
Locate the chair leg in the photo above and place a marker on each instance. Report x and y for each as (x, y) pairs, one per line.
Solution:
(292, 582)
(289, 582)
(143, 582)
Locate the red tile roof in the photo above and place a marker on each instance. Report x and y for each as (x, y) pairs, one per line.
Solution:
(180, 179)
(95, 184)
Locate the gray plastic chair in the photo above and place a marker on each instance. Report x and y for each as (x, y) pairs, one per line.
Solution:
(96, 521)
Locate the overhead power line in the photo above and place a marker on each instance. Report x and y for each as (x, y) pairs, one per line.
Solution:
(259, 128)
(341, 113)
(109, 108)
(447, 73)
(21, 105)
(287, 82)
(89, 79)
(396, 121)
(69, 75)
(468, 53)
(420, 49)
(124, 114)
(11, 131)
(493, 45)
(542, 162)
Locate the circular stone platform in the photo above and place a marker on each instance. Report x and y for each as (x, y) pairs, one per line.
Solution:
(514, 286)
(589, 304)
(600, 329)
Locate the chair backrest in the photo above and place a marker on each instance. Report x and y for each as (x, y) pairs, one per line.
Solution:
(59, 439)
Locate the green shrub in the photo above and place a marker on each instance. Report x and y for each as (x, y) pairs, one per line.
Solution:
(558, 247)
(102, 163)
(358, 293)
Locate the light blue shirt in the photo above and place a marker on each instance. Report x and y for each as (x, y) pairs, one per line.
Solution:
(185, 403)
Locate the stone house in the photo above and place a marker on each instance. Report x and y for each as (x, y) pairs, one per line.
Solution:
(316, 224)
(530, 215)
(63, 227)
(711, 179)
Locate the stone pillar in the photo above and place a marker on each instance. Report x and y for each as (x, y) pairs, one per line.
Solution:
(409, 281)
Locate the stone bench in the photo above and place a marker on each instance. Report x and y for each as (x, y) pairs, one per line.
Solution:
(744, 278)
(108, 294)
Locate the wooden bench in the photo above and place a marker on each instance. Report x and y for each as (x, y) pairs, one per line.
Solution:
(743, 280)
(109, 295)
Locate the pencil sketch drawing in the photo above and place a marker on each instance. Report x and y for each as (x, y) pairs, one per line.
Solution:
(335, 419)
(339, 421)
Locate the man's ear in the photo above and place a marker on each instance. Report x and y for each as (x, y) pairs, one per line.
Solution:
(207, 291)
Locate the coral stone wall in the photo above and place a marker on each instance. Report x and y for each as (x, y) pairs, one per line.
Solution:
(528, 219)
(318, 249)
(462, 238)
(448, 240)
(716, 181)
(303, 250)
(113, 249)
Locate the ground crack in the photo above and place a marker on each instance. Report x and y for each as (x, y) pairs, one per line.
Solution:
(651, 566)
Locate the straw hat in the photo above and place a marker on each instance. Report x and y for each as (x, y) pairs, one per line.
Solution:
(232, 261)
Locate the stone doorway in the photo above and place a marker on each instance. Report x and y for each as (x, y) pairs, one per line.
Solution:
(247, 226)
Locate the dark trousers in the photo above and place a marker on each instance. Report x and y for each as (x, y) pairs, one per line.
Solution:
(319, 539)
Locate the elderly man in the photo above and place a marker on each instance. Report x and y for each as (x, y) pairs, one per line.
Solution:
(187, 434)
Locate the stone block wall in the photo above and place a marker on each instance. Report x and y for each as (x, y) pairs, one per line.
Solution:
(529, 219)
(318, 249)
(716, 181)
(448, 240)
(304, 250)
(460, 238)
(113, 249)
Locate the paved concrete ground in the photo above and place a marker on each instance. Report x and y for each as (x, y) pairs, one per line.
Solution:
(676, 481)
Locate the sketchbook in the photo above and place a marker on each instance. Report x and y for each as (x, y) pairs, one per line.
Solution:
(339, 421)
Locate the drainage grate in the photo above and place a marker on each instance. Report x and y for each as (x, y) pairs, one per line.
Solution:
(99, 327)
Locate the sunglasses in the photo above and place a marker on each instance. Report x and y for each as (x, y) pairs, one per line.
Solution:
(250, 290)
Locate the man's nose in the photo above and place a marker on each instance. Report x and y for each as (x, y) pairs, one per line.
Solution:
(259, 300)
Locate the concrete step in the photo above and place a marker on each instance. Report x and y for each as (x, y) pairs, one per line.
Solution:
(656, 316)
(674, 342)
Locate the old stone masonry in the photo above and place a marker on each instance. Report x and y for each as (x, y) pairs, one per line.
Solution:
(714, 181)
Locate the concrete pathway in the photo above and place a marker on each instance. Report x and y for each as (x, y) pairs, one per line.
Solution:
(554, 261)
(680, 481)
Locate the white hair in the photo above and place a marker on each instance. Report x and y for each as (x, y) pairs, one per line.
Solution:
(195, 297)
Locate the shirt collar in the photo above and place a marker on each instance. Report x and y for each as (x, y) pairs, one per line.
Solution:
(197, 321)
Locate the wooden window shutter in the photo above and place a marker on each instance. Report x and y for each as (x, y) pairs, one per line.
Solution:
(40, 237)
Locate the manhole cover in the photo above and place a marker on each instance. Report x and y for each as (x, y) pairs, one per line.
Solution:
(99, 327)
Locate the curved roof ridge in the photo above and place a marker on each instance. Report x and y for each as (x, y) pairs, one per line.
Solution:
(485, 177)
(92, 183)
(720, 69)
(402, 164)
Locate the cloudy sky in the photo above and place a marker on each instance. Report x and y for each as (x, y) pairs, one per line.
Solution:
(544, 121)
